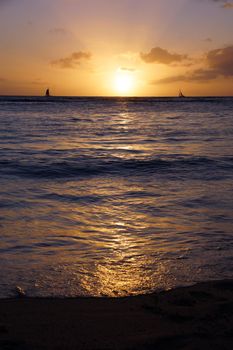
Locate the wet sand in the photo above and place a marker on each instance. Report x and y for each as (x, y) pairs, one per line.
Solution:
(194, 317)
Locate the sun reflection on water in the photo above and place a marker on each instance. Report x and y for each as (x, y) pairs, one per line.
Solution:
(107, 198)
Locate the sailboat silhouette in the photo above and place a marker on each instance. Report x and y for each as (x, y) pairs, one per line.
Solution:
(181, 94)
(47, 93)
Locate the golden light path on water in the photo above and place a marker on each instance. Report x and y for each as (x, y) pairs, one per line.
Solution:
(106, 248)
(123, 253)
(129, 220)
(128, 268)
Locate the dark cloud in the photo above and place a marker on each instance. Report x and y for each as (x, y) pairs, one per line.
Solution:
(159, 55)
(219, 62)
(76, 58)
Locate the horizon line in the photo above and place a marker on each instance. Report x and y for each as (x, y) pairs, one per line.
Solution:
(118, 96)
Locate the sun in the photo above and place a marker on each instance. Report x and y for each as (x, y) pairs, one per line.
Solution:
(124, 81)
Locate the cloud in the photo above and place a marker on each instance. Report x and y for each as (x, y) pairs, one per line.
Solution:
(208, 40)
(225, 4)
(159, 55)
(218, 63)
(58, 31)
(76, 58)
(221, 61)
(228, 5)
(2, 80)
(200, 75)
(128, 69)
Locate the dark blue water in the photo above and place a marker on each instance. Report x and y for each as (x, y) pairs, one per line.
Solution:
(114, 196)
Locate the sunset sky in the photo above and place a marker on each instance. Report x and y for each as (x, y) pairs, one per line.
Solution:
(124, 47)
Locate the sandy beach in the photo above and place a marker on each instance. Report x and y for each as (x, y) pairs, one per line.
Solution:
(184, 318)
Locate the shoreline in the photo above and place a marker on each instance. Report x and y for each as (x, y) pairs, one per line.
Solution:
(191, 317)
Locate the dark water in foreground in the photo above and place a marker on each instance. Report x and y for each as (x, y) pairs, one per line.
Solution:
(114, 196)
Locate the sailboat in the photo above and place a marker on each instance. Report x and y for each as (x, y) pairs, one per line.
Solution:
(181, 94)
(47, 93)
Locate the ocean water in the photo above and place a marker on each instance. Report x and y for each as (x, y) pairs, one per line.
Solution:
(114, 196)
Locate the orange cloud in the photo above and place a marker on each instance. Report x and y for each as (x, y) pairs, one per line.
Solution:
(225, 4)
(228, 5)
(73, 60)
(159, 55)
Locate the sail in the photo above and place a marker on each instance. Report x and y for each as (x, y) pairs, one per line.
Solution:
(47, 93)
(181, 94)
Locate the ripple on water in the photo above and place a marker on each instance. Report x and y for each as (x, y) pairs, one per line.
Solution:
(114, 196)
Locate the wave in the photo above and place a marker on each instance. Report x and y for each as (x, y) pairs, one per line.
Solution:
(98, 166)
(144, 100)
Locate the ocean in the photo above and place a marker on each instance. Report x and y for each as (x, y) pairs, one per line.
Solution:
(114, 196)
